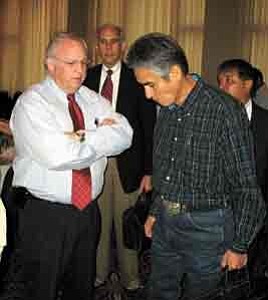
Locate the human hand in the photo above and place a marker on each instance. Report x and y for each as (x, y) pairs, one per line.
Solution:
(78, 135)
(106, 122)
(233, 261)
(145, 184)
(148, 226)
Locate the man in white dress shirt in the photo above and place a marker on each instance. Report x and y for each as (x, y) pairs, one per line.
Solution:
(57, 241)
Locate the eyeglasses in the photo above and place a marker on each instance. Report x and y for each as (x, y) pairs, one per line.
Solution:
(73, 63)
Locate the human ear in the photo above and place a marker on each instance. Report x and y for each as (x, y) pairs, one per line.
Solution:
(175, 72)
(248, 84)
(50, 65)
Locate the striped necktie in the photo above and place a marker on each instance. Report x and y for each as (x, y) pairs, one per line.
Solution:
(107, 88)
(81, 179)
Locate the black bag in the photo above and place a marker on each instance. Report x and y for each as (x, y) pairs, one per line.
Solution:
(133, 223)
(234, 285)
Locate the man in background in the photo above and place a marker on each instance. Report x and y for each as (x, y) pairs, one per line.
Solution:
(7, 149)
(129, 173)
(7, 155)
(58, 169)
(207, 206)
(237, 77)
(261, 93)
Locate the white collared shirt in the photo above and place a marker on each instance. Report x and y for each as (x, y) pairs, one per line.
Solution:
(248, 107)
(3, 227)
(45, 155)
(115, 79)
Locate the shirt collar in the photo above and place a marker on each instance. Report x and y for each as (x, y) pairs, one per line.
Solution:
(60, 92)
(248, 107)
(191, 97)
(116, 68)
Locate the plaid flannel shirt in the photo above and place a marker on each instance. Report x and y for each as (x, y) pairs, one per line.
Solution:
(203, 157)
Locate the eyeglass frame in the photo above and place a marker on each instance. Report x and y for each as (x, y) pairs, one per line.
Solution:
(72, 63)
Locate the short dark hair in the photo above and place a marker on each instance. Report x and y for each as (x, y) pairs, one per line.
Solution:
(244, 70)
(158, 52)
(258, 77)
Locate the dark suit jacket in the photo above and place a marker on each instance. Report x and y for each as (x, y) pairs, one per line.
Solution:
(259, 125)
(136, 161)
(258, 255)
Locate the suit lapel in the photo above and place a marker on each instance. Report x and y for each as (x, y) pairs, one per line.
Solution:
(96, 81)
(122, 87)
(253, 121)
(254, 128)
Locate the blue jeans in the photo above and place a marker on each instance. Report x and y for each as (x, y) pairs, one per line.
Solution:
(186, 252)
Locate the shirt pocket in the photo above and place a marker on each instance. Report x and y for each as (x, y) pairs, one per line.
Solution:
(199, 160)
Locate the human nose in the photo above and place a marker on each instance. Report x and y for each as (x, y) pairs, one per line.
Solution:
(108, 44)
(223, 85)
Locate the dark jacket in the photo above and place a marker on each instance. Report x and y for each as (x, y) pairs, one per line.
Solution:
(259, 125)
(258, 254)
(136, 161)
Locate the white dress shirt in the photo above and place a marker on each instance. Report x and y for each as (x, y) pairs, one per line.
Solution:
(248, 107)
(3, 228)
(45, 155)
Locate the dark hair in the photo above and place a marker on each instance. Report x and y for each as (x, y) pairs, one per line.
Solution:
(158, 52)
(244, 69)
(258, 78)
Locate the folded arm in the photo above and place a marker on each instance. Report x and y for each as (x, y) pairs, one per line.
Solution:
(44, 135)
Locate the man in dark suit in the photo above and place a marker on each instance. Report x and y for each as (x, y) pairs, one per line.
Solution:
(237, 77)
(130, 172)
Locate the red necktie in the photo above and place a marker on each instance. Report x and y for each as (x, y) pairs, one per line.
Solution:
(107, 88)
(81, 179)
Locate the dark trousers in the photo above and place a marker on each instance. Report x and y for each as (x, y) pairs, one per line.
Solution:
(55, 251)
(186, 252)
(258, 260)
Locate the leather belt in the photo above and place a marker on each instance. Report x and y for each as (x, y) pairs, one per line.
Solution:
(174, 208)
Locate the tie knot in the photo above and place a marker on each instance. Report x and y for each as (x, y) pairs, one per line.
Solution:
(109, 72)
(71, 97)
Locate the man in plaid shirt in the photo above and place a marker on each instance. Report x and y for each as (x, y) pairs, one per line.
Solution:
(207, 205)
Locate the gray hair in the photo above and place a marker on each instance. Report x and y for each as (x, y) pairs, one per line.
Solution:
(158, 52)
(114, 27)
(60, 37)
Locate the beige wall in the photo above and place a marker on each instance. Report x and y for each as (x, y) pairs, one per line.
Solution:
(222, 36)
(78, 13)
(222, 31)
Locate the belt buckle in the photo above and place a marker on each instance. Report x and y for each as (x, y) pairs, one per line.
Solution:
(175, 208)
